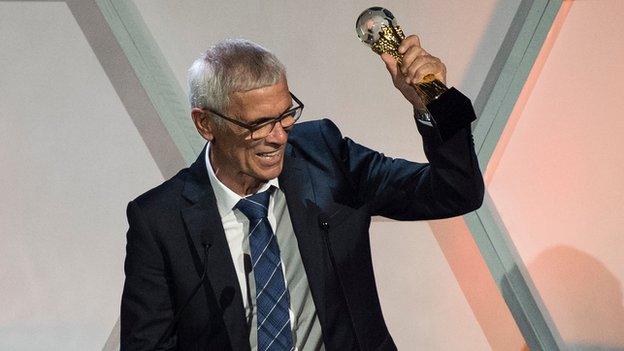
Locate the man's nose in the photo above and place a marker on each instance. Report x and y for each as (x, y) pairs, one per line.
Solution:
(278, 135)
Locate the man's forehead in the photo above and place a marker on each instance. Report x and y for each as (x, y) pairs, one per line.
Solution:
(265, 97)
(280, 86)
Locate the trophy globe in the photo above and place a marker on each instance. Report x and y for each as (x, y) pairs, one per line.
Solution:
(378, 28)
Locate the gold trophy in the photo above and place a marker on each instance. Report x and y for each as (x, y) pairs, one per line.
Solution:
(377, 28)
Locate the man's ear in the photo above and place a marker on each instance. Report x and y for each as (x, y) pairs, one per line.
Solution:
(202, 123)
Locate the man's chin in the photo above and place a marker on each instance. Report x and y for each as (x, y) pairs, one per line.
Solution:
(275, 173)
(269, 167)
(268, 173)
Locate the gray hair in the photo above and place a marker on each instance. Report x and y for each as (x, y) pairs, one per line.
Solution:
(232, 65)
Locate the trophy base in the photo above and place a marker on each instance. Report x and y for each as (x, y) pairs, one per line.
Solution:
(429, 89)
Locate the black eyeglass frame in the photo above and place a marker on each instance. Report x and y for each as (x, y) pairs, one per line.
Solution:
(254, 127)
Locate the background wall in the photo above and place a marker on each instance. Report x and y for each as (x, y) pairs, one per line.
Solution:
(557, 179)
(83, 134)
(71, 159)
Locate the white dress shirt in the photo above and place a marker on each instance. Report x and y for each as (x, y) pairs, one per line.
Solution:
(236, 226)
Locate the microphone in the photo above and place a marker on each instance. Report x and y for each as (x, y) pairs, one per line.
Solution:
(172, 326)
(323, 223)
(248, 268)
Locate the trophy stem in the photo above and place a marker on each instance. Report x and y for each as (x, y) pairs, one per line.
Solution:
(377, 28)
(390, 38)
(429, 89)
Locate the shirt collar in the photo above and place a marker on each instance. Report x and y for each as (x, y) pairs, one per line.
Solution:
(226, 198)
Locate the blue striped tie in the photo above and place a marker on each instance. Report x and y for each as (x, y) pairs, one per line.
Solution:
(272, 299)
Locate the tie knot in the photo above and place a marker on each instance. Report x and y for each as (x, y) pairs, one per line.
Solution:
(255, 206)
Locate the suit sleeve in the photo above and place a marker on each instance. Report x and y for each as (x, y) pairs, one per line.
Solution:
(146, 306)
(449, 185)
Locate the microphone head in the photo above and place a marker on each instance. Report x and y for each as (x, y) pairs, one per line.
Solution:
(323, 221)
(206, 246)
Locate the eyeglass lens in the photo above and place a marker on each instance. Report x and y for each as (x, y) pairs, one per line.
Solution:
(286, 121)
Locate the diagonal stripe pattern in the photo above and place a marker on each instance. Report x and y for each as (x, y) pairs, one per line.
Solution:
(272, 299)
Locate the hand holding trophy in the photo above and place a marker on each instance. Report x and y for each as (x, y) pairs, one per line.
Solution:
(378, 28)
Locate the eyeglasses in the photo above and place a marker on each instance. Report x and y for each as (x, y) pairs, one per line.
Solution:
(263, 127)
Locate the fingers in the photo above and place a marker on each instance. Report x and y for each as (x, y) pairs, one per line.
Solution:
(398, 79)
(391, 65)
(423, 66)
(408, 42)
(418, 63)
(413, 53)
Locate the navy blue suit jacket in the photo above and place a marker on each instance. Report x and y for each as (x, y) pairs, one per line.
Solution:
(333, 186)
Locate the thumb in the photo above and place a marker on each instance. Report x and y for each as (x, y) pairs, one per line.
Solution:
(391, 65)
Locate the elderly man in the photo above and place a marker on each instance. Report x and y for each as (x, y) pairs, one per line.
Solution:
(263, 242)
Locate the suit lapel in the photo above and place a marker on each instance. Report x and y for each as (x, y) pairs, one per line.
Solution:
(205, 228)
(296, 183)
(204, 225)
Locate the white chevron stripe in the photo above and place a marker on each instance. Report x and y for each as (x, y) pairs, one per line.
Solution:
(267, 282)
(275, 305)
(254, 228)
(278, 333)
(257, 203)
(263, 250)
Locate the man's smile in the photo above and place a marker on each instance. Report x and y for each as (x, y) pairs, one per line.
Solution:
(271, 158)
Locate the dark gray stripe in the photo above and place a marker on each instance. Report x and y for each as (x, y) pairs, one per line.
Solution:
(124, 79)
